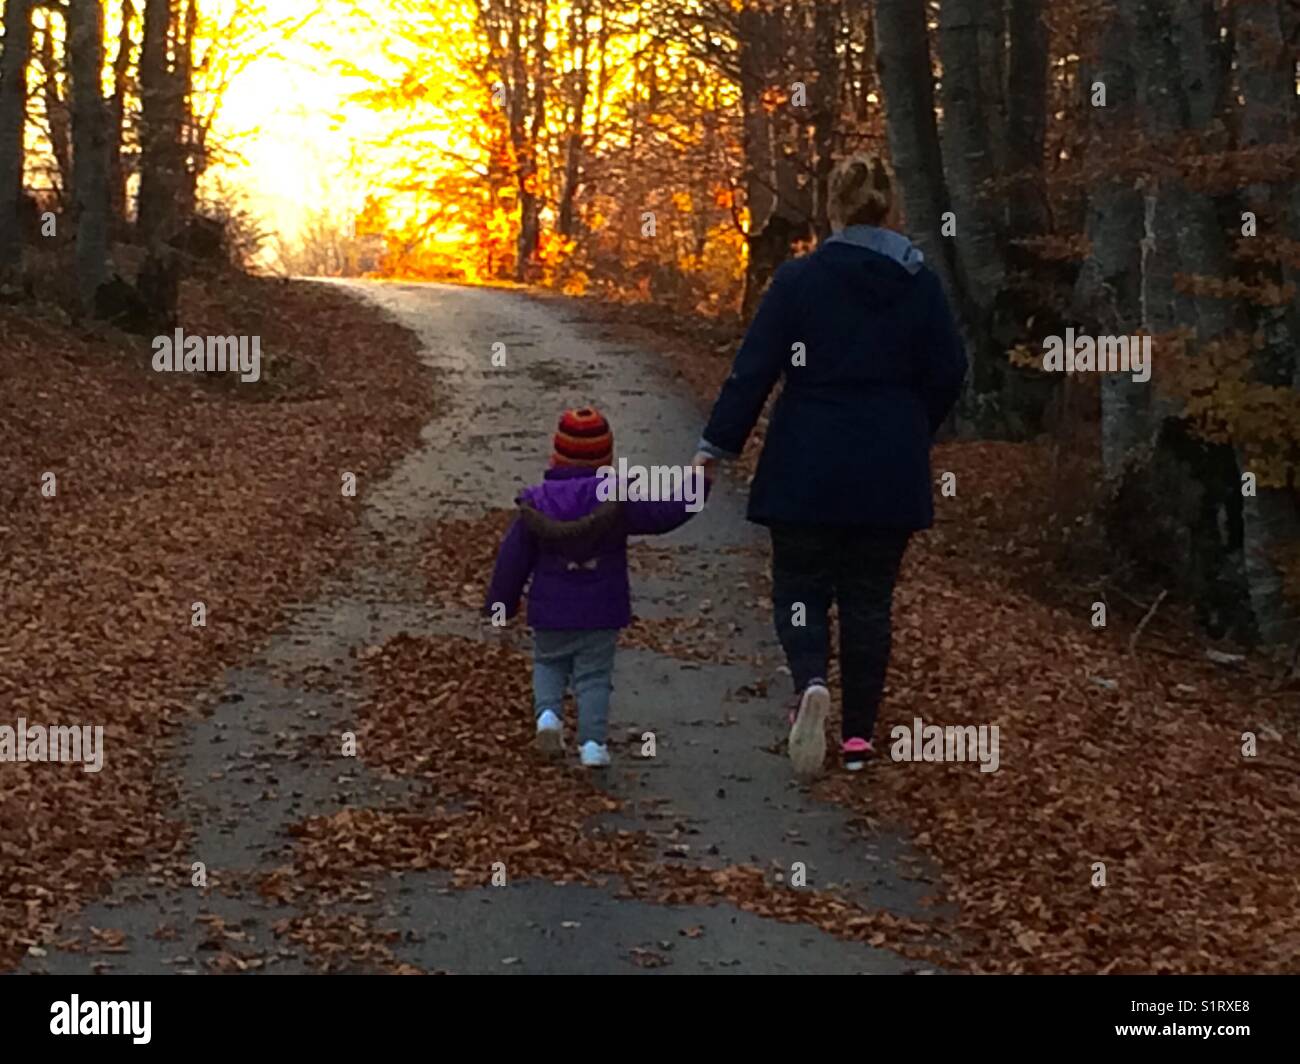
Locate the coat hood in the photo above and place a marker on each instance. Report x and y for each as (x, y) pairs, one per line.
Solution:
(886, 242)
(868, 278)
(566, 508)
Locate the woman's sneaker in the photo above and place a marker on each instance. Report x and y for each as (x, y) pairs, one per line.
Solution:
(550, 734)
(855, 753)
(594, 755)
(808, 732)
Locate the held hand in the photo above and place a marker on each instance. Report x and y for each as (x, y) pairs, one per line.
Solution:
(705, 463)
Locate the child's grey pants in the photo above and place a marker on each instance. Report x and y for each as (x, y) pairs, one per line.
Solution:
(583, 658)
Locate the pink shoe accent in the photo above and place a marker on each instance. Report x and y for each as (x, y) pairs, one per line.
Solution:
(857, 746)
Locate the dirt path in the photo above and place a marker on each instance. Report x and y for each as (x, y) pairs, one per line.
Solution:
(261, 753)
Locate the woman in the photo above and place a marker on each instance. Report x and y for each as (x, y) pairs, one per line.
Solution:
(872, 364)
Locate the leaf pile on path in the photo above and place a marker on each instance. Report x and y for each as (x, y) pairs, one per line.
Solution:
(689, 638)
(345, 943)
(172, 489)
(457, 555)
(454, 714)
(647, 559)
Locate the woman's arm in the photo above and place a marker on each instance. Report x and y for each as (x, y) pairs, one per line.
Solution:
(758, 366)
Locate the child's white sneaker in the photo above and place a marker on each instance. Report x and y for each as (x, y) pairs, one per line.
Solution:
(550, 734)
(594, 755)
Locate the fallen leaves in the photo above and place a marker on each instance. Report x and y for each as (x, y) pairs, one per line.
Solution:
(455, 714)
(499, 806)
(169, 491)
(690, 638)
(647, 958)
(1129, 761)
(457, 556)
(1135, 776)
(351, 942)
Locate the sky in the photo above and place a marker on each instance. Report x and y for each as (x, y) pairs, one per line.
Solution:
(287, 116)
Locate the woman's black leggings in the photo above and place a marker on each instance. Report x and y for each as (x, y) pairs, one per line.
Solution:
(815, 565)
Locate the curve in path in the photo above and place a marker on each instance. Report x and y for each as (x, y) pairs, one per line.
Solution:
(718, 791)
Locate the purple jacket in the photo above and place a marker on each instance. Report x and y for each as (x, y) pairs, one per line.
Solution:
(575, 548)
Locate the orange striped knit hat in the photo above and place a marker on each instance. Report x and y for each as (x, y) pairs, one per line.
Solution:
(584, 438)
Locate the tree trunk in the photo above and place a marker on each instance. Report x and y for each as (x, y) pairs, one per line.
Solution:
(13, 122)
(159, 280)
(56, 111)
(89, 146)
(906, 75)
(117, 121)
(991, 40)
(1193, 483)
(826, 105)
(156, 204)
(965, 27)
(1182, 83)
(1107, 293)
(1271, 519)
(756, 28)
(995, 403)
(1027, 119)
(792, 155)
(573, 143)
(190, 140)
(527, 116)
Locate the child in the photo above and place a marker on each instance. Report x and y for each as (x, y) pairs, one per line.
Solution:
(571, 537)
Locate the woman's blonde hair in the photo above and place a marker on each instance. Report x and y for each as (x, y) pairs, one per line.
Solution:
(861, 191)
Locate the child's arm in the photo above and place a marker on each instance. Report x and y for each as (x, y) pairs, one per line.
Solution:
(655, 518)
(515, 560)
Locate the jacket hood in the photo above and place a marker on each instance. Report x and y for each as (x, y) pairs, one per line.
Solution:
(565, 494)
(868, 278)
(566, 508)
(884, 242)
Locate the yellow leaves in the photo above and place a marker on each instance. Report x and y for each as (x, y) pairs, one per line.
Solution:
(1225, 405)
(773, 98)
(575, 283)
(1025, 356)
(723, 261)
(372, 218)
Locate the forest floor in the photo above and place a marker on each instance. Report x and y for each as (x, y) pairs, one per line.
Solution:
(445, 844)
